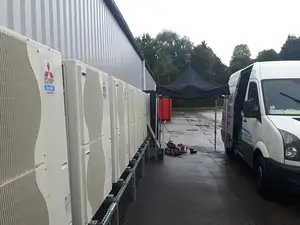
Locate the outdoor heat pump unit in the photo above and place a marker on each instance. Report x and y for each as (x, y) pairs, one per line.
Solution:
(148, 114)
(137, 118)
(126, 120)
(146, 105)
(144, 128)
(140, 113)
(34, 173)
(123, 119)
(147, 108)
(89, 138)
(140, 126)
(119, 126)
(132, 121)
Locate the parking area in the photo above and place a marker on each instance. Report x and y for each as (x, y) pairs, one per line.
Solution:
(207, 187)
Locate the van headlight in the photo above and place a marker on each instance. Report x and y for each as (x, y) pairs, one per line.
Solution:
(291, 145)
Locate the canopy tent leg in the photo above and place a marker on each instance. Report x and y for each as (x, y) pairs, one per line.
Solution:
(216, 108)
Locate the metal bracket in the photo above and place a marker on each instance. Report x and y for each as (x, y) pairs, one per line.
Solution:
(108, 216)
(122, 184)
(133, 183)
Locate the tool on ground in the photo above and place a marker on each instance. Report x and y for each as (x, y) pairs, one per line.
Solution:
(175, 150)
(193, 150)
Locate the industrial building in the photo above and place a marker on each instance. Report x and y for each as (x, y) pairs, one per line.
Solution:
(55, 57)
(93, 32)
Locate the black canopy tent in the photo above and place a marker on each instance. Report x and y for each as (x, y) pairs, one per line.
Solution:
(189, 85)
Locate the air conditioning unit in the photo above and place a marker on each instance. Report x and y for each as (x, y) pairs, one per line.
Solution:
(88, 125)
(139, 117)
(115, 128)
(123, 140)
(126, 120)
(147, 108)
(145, 116)
(131, 121)
(34, 177)
(144, 124)
(119, 123)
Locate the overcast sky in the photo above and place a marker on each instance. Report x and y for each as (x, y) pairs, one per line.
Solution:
(262, 24)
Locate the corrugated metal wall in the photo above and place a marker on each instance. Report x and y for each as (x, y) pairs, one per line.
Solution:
(80, 29)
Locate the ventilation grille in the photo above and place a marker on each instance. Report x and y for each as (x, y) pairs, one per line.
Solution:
(20, 114)
(93, 112)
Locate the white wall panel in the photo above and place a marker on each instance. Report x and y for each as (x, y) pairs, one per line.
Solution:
(79, 29)
(150, 83)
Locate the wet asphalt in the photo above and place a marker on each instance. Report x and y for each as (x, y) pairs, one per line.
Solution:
(205, 188)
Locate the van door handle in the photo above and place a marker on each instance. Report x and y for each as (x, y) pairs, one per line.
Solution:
(245, 120)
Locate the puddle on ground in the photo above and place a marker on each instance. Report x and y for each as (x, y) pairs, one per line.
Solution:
(203, 149)
(192, 130)
(176, 132)
(203, 125)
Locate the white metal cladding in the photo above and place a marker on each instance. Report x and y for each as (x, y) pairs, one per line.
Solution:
(150, 83)
(80, 29)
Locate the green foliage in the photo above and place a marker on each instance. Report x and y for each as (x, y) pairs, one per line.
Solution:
(238, 63)
(201, 60)
(221, 72)
(169, 53)
(267, 55)
(148, 47)
(291, 49)
(241, 57)
(166, 69)
(241, 50)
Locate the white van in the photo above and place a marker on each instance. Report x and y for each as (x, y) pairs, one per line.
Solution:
(261, 122)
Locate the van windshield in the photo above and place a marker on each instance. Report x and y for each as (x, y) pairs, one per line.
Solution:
(281, 96)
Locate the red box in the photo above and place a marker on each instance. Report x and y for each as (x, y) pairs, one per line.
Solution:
(164, 108)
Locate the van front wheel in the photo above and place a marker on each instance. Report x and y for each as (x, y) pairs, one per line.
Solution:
(261, 175)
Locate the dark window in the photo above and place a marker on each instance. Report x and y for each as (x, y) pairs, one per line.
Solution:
(282, 96)
(253, 93)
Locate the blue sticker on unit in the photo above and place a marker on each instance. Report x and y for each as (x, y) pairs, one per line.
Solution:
(49, 87)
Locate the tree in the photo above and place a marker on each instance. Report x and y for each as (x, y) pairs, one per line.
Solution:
(221, 72)
(240, 58)
(169, 53)
(148, 47)
(171, 43)
(202, 60)
(208, 64)
(267, 55)
(165, 68)
(184, 50)
(291, 49)
(241, 50)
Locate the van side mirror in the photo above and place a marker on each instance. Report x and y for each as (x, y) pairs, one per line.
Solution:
(250, 110)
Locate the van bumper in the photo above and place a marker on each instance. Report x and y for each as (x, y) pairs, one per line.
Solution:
(288, 176)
